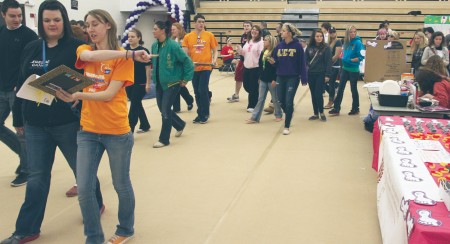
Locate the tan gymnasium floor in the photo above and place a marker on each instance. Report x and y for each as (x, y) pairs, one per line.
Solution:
(227, 182)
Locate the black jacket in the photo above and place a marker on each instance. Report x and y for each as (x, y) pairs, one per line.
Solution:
(268, 71)
(59, 112)
(319, 60)
(12, 43)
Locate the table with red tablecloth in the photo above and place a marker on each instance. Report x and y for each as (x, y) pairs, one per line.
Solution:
(410, 209)
(385, 122)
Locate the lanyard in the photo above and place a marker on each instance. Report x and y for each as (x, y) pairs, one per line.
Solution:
(44, 63)
(75, 110)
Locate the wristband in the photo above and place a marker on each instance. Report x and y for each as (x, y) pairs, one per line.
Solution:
(132, 55)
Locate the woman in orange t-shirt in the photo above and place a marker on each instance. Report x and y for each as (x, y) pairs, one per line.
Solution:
(104, 124)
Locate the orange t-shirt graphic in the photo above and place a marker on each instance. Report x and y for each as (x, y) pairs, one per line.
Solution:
(106, 117)
(200, 47)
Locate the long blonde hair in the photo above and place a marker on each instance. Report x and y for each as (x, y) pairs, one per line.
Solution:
(422, 44)
(347, 34)
(272, 44)
(332, 41)
(105, 18)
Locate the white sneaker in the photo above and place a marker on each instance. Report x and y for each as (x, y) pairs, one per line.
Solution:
(178, 133)
(159, 145)
(286, 131)
(233, 98)
(250, 110)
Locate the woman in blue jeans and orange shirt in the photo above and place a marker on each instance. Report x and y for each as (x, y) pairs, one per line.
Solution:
(104, 124)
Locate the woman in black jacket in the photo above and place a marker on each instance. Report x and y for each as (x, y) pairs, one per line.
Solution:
(46, 127)
(267, 81)
(318, 59)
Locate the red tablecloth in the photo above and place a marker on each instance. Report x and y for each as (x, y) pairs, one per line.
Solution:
(410, 209)
(444, 138)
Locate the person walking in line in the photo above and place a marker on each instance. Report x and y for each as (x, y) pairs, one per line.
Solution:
(350, 71)
(47, 127)
(291, 66)
(239, 72)
(318, 59)
(336, 51)
(172, 69)
(251, 52)
(178, 34)
(104, 124)
(271, 107)
(13, 38)
(267, 81)
(136, 92)
(199, 44)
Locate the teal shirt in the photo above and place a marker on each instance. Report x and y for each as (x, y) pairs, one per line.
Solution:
(352, 50)
(174, 64)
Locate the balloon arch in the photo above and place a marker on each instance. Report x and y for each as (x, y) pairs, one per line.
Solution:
(174, 13)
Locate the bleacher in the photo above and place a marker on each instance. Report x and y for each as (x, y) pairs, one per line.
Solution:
(224, 18)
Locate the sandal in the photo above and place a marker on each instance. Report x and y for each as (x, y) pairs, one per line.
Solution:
(250, 121)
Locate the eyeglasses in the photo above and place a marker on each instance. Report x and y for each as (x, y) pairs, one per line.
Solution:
(390, 36)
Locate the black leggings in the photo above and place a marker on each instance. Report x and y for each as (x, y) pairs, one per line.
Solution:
(251, 85)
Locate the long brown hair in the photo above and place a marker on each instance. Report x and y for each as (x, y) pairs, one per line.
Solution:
(312, 40)
(180, 29)
(105, 18)
(436, 64)
(258, 38)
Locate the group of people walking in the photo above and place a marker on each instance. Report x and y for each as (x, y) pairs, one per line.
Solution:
(279, 64)
(85, 124)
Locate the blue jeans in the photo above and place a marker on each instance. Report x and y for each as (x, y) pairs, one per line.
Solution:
(41, 145)
(165, 100)
(91, 147)
(316, 82)
(14, 141)
(353, 77)
(201, 89)
(264, 87)
(330, 86)
(286, 89)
